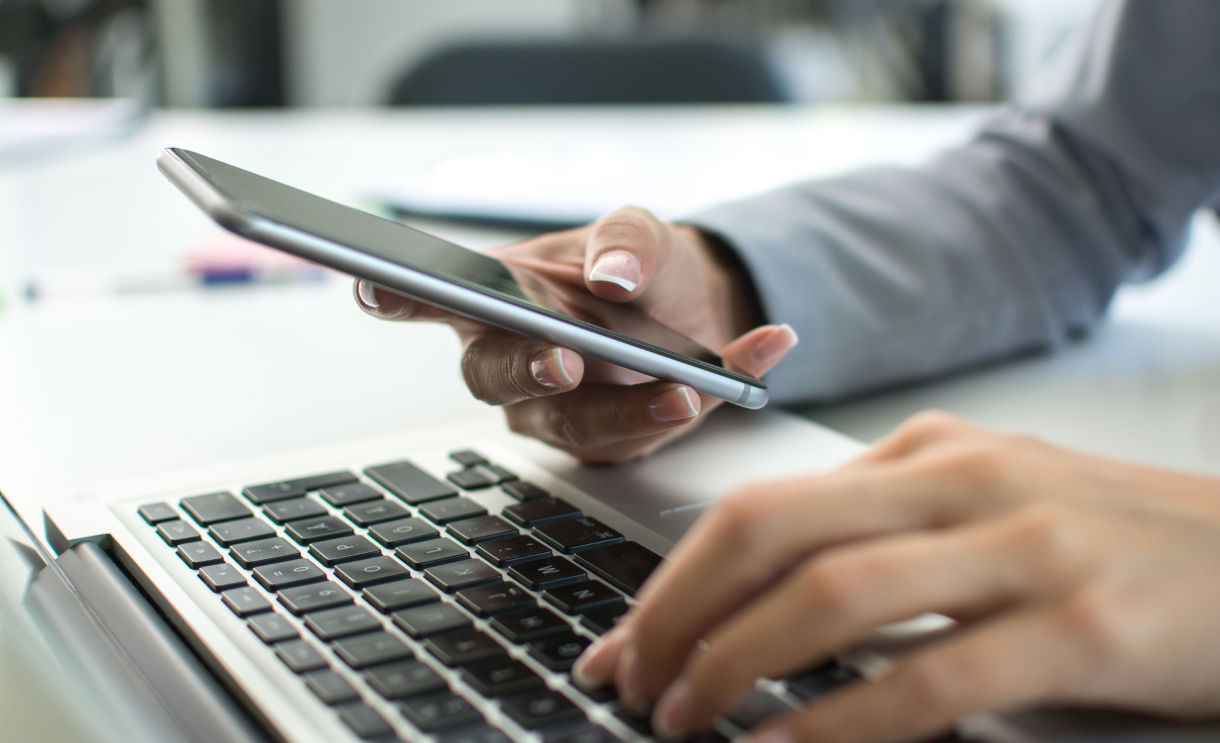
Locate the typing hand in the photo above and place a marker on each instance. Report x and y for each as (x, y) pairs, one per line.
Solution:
(1076, 580)
(597, 411)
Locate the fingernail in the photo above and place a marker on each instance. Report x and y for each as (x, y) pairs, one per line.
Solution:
(673, 405)
(550, 369)
(617, 267)
(593, 668)
(779, 735)
(782, 340)
(367, 293)
(672, 718)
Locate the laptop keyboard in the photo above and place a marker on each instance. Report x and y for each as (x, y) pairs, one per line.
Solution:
(370, 588)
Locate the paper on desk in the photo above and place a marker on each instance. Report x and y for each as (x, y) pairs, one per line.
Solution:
(34, 126)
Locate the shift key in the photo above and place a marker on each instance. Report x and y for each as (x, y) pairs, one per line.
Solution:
(263, 551)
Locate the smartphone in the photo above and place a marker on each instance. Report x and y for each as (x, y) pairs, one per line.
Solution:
(451, 277)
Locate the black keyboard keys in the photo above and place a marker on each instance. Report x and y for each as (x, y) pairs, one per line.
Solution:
(821, 680)
(756, 709)
(455, 576)
(584, 733)
(581, 597)
(366, 722)
(451, 509)
(531, 624)
(541, 575)
(222, 577)
(604, 619)
(625, 566)
(281, 512)
(574, 535)
(405, 679)
(480, 734)
(214, 507)
(480, 529)
(314, 597)
(199, 554)
(361, 573)
(245, 601)
(514, 549)
(330, 687)
(424, 555)
(229, 533)
(177, 532)
(409, 482)
(300, 656)
(252, 554)
(540, 511)
(403, 531)
(332, 624)
(495, 598)
(522, 490)
(155, 513)
(308, 531)
(433, 619)
(345, 495)
(374, 512)
(331, 552)
(401, 594)
(468, 458)
(541, 708)
(372, 649)
(473, 478)
(440, 712)
(467, 646)
(558, 652)
(273, 491)
(289, 573)
(500, 676)
(272, 628)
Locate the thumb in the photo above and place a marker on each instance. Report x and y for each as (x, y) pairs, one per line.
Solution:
(622, 253)
(756, 352)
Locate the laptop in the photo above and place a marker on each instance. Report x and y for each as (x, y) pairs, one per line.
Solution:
(433, 587)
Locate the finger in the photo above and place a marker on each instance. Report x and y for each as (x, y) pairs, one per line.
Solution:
(622, 253)
(1015, 661)
(387, 305)
(759, 350)
(502, 368)
(919, 432)
(594, 415)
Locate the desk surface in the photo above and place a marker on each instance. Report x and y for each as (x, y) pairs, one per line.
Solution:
(101, 388)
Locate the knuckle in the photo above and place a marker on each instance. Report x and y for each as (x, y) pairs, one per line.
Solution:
(1095, 618)
(981, 463)
(832, 588)
(936, 686)
(736, 515)
(1048, 530)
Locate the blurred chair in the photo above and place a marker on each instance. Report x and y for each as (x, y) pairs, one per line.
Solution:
(588, 71)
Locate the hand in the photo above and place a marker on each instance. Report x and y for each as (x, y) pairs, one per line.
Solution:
(1075, 580)
(597, 411)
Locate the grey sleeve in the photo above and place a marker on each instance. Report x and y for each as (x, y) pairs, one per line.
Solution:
(1015, 241)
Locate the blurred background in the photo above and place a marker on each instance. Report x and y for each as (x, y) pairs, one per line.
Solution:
(311, 53)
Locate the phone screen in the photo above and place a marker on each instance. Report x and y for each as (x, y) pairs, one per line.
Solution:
(428, 254)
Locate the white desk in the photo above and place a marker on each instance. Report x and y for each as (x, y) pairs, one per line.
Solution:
(102, 388)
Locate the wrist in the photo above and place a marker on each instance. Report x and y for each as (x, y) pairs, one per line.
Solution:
(735, 303)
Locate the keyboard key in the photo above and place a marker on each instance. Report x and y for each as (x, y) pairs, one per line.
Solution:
(496, 472)
(467, 646)
(300, 656)
(433, 619)
(468, 458)
(318, 528)
(639, 722)
(471, 479)
(345, 495)
(439, 712)
(177, 532)
(451, 509)
(757, 708)
(289, 573)
(245, 601)
(214, 507)
(582, 597)
(230, 533)
(820, 681)
(332, 624)
(432, 552)
(252, 554)
(403, 531)
(401, 594)
(625, 566)
(374, 512)
(330, 687)
(500, 676)
(582, 733)
(406, 679)
(281, 512)
(480, 734)
(494, 599)
(361, 573)
(558, 652)
(366, 722)
(604, 619)
(155, 513)
(522, 490)
(272, 628)
(574, 535)
(273, 491)
(372, 649)
(514, 549)
(330, 552)
(542, 575)
(314, 597)
(222, 577)
(455, 576)
(540, 511)
(409, 482)
(199, 554)
(541, 708)
(480, 529)
(531, 624)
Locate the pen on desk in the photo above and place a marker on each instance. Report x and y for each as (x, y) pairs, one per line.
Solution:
(51, 287)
